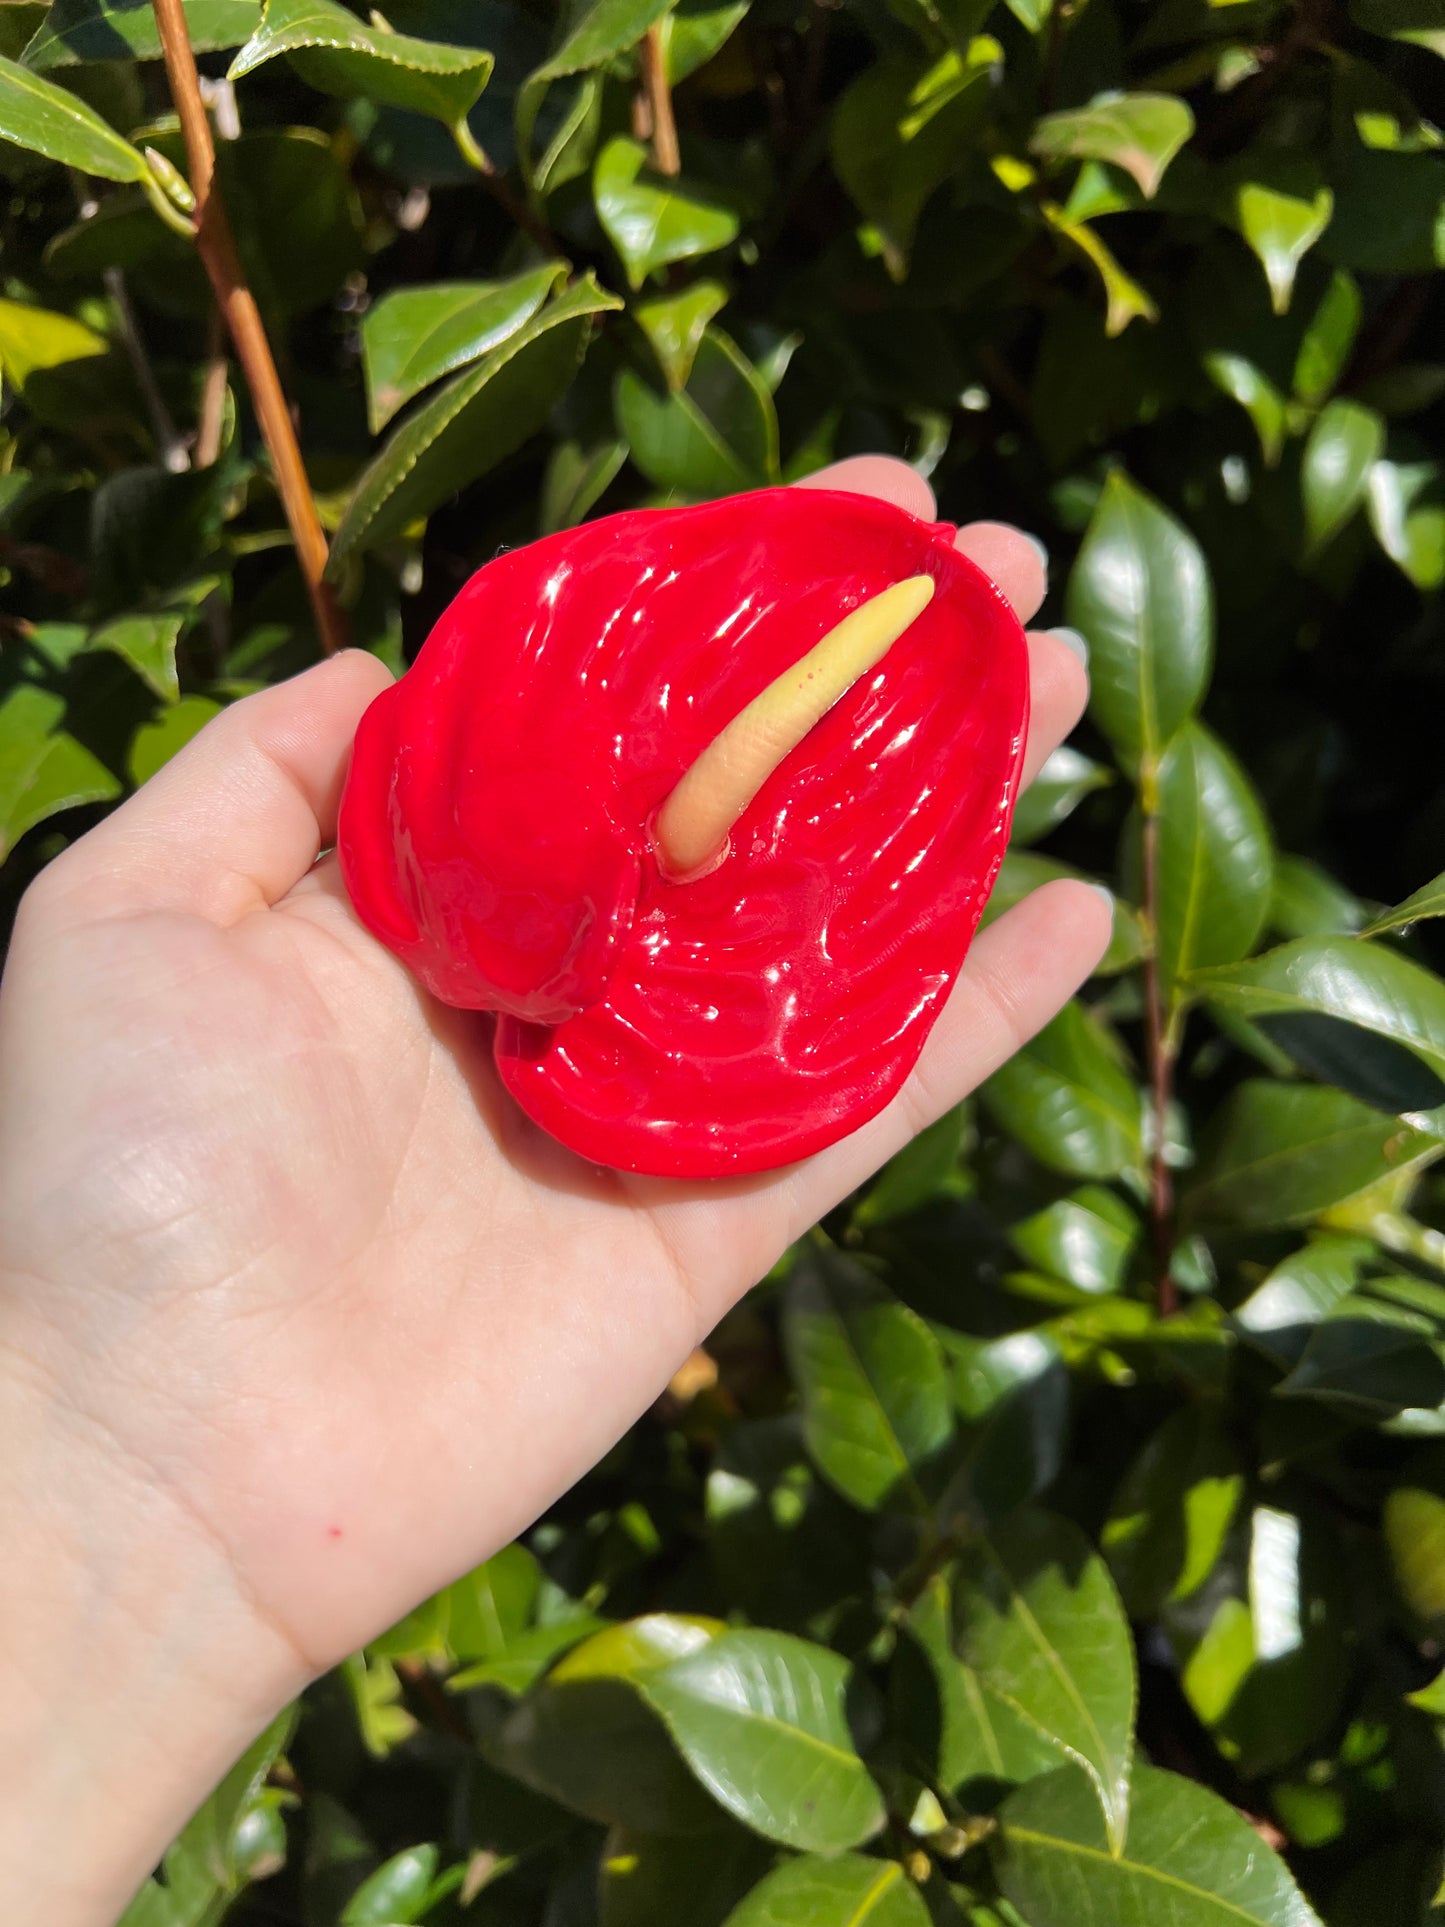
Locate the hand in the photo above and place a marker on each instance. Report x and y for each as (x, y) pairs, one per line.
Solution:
(301, 1317)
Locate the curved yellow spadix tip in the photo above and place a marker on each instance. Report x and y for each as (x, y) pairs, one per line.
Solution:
(692, 826)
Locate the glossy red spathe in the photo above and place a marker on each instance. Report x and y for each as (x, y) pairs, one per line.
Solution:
(495, 824)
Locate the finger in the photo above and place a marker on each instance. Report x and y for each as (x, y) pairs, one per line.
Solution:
(1019, 974)
(881, 475)
(1018, 563)
(238, 815)
(1059, 693)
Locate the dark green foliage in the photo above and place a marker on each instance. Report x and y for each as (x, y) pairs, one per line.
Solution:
(1046, 1551)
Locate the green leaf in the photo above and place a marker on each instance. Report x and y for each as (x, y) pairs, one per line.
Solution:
(1281, 217)
(763, 1721)
(926, 1168)
(1189, 1859)
(1140, 133)
(577, 478)
(675, 325)
(1085, 1239)
(696, 30)
(1215, 859)
(1421, 21)
(1127, 301)
(42, 768)
(1280, 1154)
(415, 335)
(1140, 593)
(35, 339)
(49, 120)
(1171, 1516)
(155, 743)
(1365, 1353)
(1024, 870)
(396, 1893)
(85, 30)
(1367, 985)
(1427, 901)
(642, 1876)
(604, 30)
(1407, 513)
(1068, 1099)
(1039, 1621)
(1325, 346)
(900, 131)
(715, 437)
(148, 644)
(872, 1379)
(1301, 1290)
(1344, 444)
(849, 1892)
(472, 423)
(651, 218)
(1308, 902)
(334, 52)
(1414, 1527)
(1257, 396)
(1056, 792)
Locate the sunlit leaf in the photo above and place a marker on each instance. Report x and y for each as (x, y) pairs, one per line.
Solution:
(851, 1891)
(1343, 446)
(1068, 1099)
(1427, 901)
(50, 120)
(651, 218)
(42, 768)
(85, 30)
(1139, 132)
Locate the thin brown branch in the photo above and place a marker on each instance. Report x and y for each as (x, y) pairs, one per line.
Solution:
(217, 248)
(666, 155)
(211, 415)
(169, 446)
(1161, 1051)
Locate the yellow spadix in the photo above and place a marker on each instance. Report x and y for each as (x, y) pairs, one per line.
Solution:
(693, 825)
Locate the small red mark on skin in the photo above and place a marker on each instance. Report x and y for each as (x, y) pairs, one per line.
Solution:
(333, 1532)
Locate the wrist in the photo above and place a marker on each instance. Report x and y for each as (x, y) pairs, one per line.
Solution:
(137, 1671)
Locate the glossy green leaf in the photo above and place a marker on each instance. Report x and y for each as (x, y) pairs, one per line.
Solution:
(337, 53)
(642, 1876)
(1343, 446)
(1189, 1860)
(600, 32)
(1307, 901)
(85, 30)
(714, 437)
(763, 1721)
(872, 1379)
(651, 218)
(1039, 1621)
(42, 768)
(696, 30)
(49, 120)
(1215, 860)
(148, 644)
(852, 1891)
(1406, 503)
(1325, 346)
(675, 325)
(1140, 593)
(1140, 133)
(1356, 983)
(1420, 21)
(900, 131)
(1281, 218)
(415, 335)
(396, 1893)
(1068, 1099)
(1304, 1288)
(1257, 396)
(472, 423)
(1085, 1238)
(576, 479)
(1171, 1516)
(1014, 1391)
(955, 1732)
(1368, 1354)
(1056, 792)
(1427, 901)
(1280, 1154)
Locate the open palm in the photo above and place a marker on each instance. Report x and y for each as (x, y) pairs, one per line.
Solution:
(293, 1255)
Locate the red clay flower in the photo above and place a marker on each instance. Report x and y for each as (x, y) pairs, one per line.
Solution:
(503, 827)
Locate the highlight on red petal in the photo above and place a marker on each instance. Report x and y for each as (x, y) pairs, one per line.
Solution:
(497, 824)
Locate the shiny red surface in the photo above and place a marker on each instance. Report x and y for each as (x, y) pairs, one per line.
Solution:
(494, 826)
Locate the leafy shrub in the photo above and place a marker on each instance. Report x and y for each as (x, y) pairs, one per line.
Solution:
(1061, 1529)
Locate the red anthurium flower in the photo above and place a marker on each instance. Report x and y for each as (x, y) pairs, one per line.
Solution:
(718, 975)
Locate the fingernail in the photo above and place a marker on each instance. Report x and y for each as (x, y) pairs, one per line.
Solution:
(1071, 639)
(1038, 548)
(1103, 890)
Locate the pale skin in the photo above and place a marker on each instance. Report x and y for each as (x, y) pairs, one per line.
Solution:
(299, 1318)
